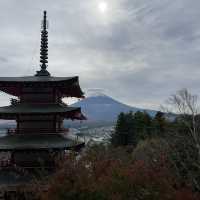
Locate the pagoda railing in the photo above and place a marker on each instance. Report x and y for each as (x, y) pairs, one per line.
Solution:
(35, 130)
(11, 131)
(5, 163)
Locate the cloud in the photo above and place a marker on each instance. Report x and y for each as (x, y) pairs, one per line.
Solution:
(140, 52)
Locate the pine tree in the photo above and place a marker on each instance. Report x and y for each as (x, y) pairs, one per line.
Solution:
(143, 124)
(124, 130)
(160, 123)
(131, 128)
(118, 137)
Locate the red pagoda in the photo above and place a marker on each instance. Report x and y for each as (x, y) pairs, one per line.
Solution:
(39, 113)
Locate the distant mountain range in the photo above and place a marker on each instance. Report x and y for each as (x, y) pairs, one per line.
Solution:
(104, 108)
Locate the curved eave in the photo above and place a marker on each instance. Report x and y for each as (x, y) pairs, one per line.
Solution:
(32, 142)
(72, 91)
(68, 86)
(12, 112)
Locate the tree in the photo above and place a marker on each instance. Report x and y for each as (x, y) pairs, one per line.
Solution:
(131, 128)
(185, 141)
(120, 137)
(160, 123)
(186, 105)
(142, 125)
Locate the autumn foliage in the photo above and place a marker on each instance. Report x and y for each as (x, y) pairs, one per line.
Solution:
(115, 174)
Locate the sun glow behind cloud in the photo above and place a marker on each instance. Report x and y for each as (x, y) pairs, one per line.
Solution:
(103, 7)
(102, 12)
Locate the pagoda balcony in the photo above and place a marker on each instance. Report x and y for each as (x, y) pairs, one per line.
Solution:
(12, 131)
(31, 143)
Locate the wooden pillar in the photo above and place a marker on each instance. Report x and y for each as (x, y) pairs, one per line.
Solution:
(17, 124)
(54, 123)
(54, 95)
(12, 158)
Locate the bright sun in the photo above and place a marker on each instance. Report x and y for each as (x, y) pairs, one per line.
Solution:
(103, 6)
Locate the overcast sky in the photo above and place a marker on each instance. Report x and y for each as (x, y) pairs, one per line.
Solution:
(137, 51)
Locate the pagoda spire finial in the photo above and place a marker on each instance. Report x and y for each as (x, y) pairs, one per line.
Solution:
(44, 48)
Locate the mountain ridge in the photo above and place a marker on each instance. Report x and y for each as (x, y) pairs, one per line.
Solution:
(105, 108)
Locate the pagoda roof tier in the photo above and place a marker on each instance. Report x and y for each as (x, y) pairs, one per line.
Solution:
(12, 111)
(68, 86)
(38, 142)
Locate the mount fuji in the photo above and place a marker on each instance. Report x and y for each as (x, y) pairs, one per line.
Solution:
(104, 108)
